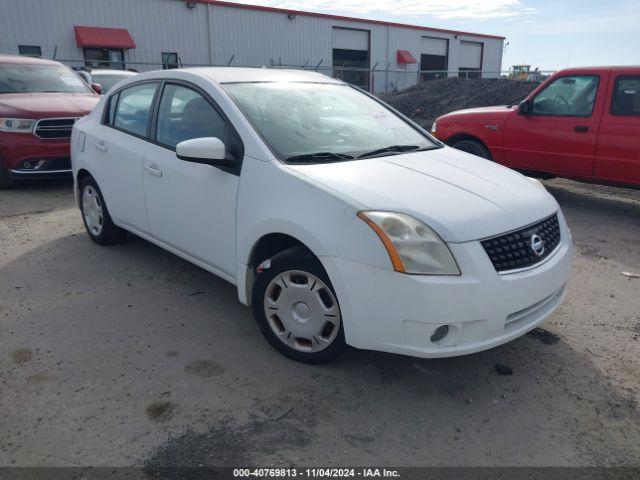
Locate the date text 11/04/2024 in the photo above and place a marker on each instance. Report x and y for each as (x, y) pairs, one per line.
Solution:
(317, 472)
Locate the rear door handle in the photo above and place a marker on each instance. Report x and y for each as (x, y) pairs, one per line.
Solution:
(101, 146)
(153, 169)
(581, 129)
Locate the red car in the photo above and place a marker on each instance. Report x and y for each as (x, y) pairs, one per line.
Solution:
(581, 123)
(39, 102)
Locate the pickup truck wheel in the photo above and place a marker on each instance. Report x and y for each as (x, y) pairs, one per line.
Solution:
(95, 215)
(473, 147)
(296, 308)
(5, 180)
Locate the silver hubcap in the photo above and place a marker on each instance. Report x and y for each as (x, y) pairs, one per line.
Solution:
(302, 311)
(92, 210)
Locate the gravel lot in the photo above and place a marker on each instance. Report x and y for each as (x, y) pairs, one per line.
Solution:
(129, 356)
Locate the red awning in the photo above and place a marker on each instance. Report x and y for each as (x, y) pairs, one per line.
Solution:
(104, 37)
(404, 56)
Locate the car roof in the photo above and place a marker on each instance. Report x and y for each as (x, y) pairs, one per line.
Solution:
(244, 75)
(21, 60)
(604, 68)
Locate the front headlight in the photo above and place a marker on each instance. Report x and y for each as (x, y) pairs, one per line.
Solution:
(434, 127)
(16, 125)
(412, 246)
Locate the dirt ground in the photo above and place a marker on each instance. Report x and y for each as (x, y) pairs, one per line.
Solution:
(131, 356)
(426, 101)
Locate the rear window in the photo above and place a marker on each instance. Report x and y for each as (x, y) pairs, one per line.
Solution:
(626, 96)
(40, 78)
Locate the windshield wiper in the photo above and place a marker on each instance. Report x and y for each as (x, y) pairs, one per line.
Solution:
(319, 157)
(391, 149)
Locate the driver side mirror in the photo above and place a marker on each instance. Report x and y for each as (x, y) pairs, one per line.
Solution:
(205, 150)
(96, 87)
(524, 107)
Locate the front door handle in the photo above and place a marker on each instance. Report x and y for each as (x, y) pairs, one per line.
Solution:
(581, 129)
(101, 146)
(153, 169)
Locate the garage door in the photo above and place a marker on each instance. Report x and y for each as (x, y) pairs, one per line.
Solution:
(434, 58)
(351, 55)
(350, 39)
(434, 46)
(470, 59)
(470, 55)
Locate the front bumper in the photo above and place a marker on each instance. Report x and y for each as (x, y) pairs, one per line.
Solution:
(398, 313)
(26, 156)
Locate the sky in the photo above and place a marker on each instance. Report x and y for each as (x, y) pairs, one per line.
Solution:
(548, 34)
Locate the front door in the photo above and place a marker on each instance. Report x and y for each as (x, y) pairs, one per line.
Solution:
(191, 207)
(559, 133)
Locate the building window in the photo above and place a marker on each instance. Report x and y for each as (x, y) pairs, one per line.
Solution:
(169, 60)
(30, 50)
(469, 73)
(104, 58)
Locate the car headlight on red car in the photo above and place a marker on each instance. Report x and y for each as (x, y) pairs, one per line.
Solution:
(16, 125)
(413, 247)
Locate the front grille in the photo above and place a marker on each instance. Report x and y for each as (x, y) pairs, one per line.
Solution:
(60, 163)
(525, 247)
(54, 127)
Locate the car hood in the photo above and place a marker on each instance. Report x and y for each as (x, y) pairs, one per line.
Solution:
(461, 196)
(497, 112)
(44, 105)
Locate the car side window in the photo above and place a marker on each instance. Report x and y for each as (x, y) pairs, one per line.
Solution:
(133, 109)
(573, 95)
(185, 114)
(626, 96)
(111, 110)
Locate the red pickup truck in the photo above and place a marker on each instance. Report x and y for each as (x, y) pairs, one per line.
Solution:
(581, 123)
(39, 102)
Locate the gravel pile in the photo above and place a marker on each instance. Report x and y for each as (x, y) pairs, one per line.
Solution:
(428, 100)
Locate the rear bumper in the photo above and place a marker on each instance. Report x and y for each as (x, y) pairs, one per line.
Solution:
(393, 312)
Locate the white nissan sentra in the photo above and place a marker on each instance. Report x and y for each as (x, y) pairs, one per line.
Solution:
(340, 221)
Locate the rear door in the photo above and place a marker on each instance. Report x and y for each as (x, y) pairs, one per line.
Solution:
(118, 147)
(559, 134)
(618, 151)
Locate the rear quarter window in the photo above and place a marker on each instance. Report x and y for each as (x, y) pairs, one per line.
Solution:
(626, 96)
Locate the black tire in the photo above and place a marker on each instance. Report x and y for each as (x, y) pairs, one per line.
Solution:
(299, 259)
(5, 180)
(109, 234)
(474, 147)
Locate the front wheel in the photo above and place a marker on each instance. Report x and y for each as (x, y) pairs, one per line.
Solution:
(296, 308)
(473, 147)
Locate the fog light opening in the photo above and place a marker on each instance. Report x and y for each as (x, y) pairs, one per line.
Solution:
(440, 333)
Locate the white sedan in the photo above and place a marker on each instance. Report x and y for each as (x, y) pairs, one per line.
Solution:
(340, 221)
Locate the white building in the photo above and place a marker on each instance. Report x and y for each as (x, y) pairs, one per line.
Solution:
(151, 34)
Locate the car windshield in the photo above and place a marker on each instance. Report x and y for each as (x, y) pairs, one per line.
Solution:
(324, 122)
(39, 78)
(107, 80)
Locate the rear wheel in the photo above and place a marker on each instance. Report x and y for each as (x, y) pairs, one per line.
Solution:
(95, 215)
(5, 180)
(473, 147)
(296, 308)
